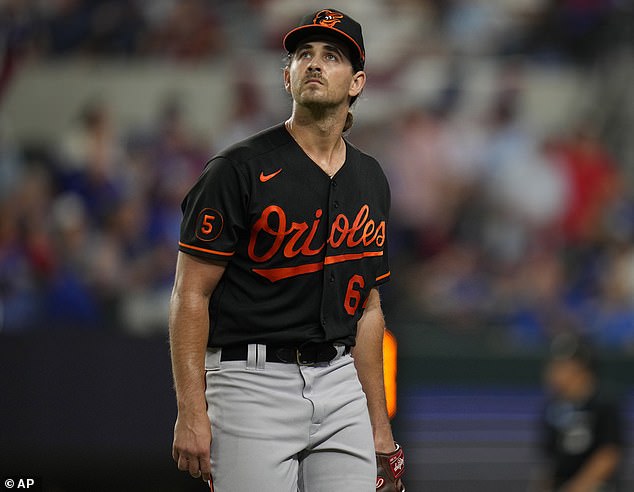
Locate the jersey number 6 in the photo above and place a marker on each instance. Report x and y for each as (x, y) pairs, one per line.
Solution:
(353, 296)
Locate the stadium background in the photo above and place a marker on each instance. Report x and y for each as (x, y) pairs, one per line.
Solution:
(505, 129)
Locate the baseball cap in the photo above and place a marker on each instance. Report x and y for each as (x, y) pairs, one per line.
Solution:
(334, 23)
(567, 346)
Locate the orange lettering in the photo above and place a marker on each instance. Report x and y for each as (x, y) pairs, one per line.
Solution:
(358, 222)
(340, 225)
(301, 236)
(368, 230)
(298, 228)
(379, 238)
(305, 249)
(262, 224)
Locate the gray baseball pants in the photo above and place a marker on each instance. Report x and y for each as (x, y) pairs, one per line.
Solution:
(287, 428)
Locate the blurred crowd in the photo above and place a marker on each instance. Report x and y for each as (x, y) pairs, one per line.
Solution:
(495, 223)
(496, 228)
(577, 30)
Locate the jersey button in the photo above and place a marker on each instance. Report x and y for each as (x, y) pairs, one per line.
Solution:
(334, 183)
(336, 204)
(332, 277)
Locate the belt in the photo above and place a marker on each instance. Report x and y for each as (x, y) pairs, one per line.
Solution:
(304, 354)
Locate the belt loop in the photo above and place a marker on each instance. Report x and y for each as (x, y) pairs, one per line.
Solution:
(212, 358)
(252, 356)
(341, 351)
(260, 356)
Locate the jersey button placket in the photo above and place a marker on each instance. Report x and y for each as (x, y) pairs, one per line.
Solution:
(334, 203)
(327, 291)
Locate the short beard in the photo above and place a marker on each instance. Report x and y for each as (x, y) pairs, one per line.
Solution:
(319, 108)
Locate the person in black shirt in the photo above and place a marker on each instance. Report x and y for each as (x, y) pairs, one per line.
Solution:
(276, 326)
(582, 424)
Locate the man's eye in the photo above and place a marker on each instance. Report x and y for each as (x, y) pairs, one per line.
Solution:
(331, 57)
(304, 54)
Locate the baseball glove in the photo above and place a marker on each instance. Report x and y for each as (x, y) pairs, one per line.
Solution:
(389, 470)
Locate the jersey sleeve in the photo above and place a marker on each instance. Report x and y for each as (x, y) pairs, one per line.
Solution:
(214, 212)
(609, 425)
(547, 434)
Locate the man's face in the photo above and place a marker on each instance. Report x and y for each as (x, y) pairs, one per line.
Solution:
(566, 378)
(320, 74)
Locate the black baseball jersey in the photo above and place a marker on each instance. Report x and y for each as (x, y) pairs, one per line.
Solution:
(303, 250)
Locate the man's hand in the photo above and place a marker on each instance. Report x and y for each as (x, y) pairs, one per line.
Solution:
(192, 443)
(389, 470)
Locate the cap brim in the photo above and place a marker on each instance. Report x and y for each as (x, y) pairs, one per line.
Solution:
(294, 37)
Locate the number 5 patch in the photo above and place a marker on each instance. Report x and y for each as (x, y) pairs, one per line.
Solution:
(209, 224)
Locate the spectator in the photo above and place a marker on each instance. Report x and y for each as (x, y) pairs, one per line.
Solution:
(430, 179)
(91, 160)
(593, 184)
(576, 30)
(192, 31)
(69, 297)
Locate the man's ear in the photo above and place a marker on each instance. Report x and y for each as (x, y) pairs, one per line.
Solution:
(357, 84)
(287, 79)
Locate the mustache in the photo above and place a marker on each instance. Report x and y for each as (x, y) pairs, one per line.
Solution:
(312, 78)
(313, 75)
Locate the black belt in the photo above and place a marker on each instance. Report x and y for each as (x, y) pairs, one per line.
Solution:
(304, 354)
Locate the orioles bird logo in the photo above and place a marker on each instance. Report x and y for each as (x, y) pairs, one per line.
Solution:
(327, 18)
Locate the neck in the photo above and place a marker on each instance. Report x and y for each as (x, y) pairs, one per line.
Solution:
(319, 134)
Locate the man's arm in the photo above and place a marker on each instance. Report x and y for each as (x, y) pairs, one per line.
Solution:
(368, 359)
(596, 471)
(194, 283)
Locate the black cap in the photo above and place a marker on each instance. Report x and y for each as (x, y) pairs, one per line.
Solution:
(568, 346)
(334, 23)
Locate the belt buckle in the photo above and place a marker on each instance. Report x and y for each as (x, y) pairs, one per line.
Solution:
(320, 354)
(300, 361)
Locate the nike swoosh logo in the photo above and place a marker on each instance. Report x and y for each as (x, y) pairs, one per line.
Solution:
(265, 177)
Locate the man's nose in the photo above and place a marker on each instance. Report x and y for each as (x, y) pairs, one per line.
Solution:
(314, 65)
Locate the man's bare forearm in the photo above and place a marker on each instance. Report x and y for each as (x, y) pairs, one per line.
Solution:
(368, 359)
(194, 283)
(189, 329)
(600, 466)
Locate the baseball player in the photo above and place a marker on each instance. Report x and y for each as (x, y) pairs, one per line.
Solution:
(276, 326)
